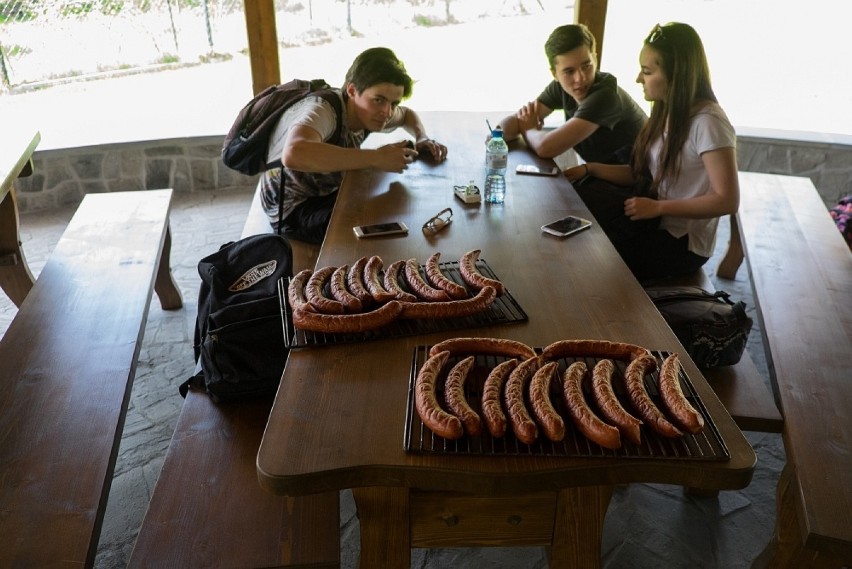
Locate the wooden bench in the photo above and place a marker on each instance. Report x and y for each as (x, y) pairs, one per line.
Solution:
(208, 509)
(801, 275)
(67, 364)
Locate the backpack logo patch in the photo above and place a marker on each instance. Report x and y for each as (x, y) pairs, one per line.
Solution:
(253, 276)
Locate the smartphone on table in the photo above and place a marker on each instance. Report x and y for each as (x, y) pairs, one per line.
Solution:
(566, 226)
(381, 229)
(533, 170)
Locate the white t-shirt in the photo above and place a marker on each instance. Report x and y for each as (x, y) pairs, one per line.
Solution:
(709, 130)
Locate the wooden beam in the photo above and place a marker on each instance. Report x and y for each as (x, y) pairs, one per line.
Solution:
(593, 14)
(263, 43)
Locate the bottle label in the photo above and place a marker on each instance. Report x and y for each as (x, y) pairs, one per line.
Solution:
(497, 161)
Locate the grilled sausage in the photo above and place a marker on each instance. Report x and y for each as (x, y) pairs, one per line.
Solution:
(450, 308)
(339, 292)
(549, 420)
(609, 405)
(490, 346)
(296, 291)
(426, 401)
(651, 415)
(519, 417)
(314, 292)
(593, 348)
(392, 285)
(373, 281)
(471, 275)
(456, 400)
(674, 399)
(355, 281)
(592, 427)
(439, 280)
(418, 284)
(492, 410)
(347, 323)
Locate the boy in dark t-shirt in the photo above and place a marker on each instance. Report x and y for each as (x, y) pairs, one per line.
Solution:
(601, 119)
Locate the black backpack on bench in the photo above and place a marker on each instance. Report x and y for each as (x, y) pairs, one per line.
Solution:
(239, 336)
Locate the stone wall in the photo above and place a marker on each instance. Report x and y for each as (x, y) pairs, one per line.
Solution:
(63, 177)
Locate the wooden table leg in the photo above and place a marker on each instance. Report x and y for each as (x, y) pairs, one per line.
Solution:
(15, 276)
(385, 531)
(165, 285)
(734, 255)
(577, 534)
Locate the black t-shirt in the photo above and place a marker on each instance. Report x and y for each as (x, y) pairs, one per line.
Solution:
(610, 107)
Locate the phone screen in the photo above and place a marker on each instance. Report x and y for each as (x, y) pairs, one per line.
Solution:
(392, 228)
(533, 170)
(566, 226)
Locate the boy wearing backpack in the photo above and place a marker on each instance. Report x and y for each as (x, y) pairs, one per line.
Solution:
(316, 144)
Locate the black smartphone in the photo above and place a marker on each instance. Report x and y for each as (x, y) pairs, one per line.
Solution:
(566, 226)
(381, 229)
(533, 170)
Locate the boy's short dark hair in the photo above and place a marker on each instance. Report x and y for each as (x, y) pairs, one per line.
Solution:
(567, 38)
(378, 65)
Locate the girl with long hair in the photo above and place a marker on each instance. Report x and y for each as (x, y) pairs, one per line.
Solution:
(684, 161)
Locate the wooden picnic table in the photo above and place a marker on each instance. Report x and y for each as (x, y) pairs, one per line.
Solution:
(341, 418)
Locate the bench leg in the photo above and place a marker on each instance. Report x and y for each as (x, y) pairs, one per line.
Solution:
(15, 276)
(785, 548)
(734, 255)
(165, 285)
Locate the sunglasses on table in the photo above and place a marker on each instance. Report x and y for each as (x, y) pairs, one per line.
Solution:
(439, 221)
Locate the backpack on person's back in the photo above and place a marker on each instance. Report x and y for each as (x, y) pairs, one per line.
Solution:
(245, 147)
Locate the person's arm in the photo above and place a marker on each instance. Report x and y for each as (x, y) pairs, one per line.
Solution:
(511, 125)
(414, 126)
(552, 143)
(305, 151)
(722, 199)
(618, 174)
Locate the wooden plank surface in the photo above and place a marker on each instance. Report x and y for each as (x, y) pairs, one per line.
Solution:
(208, 510)
(67, 364)
(802, 275)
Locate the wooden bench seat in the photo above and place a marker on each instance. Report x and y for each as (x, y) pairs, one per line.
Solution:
(67, 365)
(304, 254)
(208, 509)
(801, 275)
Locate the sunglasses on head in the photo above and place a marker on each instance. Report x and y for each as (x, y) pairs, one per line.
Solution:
(657, 34)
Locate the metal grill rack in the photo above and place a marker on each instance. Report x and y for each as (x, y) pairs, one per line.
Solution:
(505, 309)
(707, 445)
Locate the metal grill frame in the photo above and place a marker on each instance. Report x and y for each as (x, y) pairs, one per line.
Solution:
(504, 310)
(417, 438)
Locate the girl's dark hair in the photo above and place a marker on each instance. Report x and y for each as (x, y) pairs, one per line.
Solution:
(568, 38)
(378, 65)
(684, 63)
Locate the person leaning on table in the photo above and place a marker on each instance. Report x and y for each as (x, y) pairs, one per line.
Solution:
(688, 152)
(601, 119)
(375, 85)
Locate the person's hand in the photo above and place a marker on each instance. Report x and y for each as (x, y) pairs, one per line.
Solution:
(395, 157)
(432, 147)
(528, 117)
(641, 208)
(576, 173)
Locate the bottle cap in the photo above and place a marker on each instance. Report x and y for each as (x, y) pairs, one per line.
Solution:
(497, 132)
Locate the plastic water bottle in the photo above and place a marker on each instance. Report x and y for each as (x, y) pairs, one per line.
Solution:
(496, 161)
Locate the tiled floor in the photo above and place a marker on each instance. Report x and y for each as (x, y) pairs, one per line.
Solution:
(647, 526)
